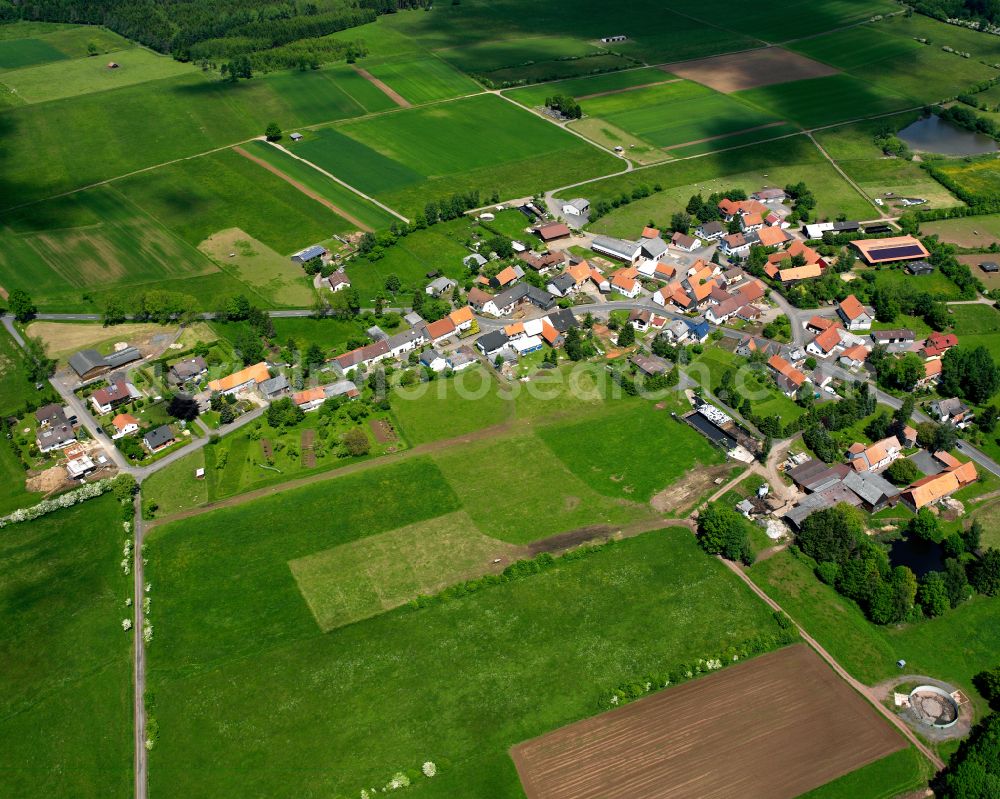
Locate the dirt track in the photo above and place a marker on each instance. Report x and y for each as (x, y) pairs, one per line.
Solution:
(774, 727)
(627, 89)
(304, 189)
(383, 87)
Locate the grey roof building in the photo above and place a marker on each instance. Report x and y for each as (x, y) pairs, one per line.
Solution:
(874, 490)
(188, 369)
(413, 319)
(158, 438)
(340, 387)
(439, 286)
(122, 357)
(309, 253)
(474, 261)
(87, 363)
(51, 414)
(491, 343)
(562, 284)
(562, 320)
(273, 387)
(652, 248)
(616, 248)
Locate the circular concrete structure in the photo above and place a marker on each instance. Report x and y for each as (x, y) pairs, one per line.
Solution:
(934, 706)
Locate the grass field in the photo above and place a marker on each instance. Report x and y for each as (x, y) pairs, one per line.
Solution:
(900, 178)
(65, 667)
(79, 76)
(824, 101)
(734, 140)
(676, 113)
(935, 283)
(15, 390)
(547, 491)
(534, 96)
(421, 79)
(13, 494)
(448, 408)
(28, 44)
(978, 325)
(345, 199)
(50, 148)
(609, 455)
(882, 54)
(202, 196)
(972, 232)
(870, 652)
(899, 773)
(410, 156)
(753, 384)
(513, 685)
(436, 249)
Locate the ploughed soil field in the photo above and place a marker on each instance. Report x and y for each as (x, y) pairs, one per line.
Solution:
(774, 727)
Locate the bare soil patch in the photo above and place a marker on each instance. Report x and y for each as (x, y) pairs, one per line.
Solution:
(308, 455)
(304, 189)
(990, 279)
(3, 293)
(776, 726)
(266, 448)
(737, 71)
(49, 481)
(383, 87)
(383, 431)
(689, 489)
(64, 338)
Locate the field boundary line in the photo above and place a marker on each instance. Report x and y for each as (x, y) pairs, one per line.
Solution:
(334, 178)
(857, 685)
(850, 181)
(141, 762)
(383, 87)
(727, 135)
(628, 89)
(302, 188)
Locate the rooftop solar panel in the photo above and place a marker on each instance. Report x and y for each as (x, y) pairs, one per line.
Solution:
(894, 253)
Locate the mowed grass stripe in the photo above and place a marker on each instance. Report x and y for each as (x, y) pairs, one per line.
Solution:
(19, 53)
(580, 88)
(421, 79)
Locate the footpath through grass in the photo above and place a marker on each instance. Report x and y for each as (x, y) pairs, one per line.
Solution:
(65, 666)
(456, 683)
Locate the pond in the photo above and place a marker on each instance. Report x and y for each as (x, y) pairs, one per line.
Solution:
(935, 135)
(920, 556)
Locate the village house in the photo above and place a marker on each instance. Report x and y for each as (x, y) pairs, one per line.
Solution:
(439, 286)
(626, 281)
(433, 360)
(684, 242)
(953, 410)
(640, 319)
(825, 343)
(338, 281)
(309, 399)
(243, 380)
(854, 314)
(407, 340)
(106, 399)
(187, 370)
(937, 344)
(895, 336)
(932, 372)
(736, 244)
(874, 457)
(552, 231)
(676, 331)
(490, 344)
(462, 318)
(543, 263)
(462, 358)
(652, 249)
(709, 231)
(440, 330)
(158, 438)
(125, 424)
(698, 329)
(854, 357)
(362, 357)
(55, 430)
(773, 237)
(474, 262)
(936, 487)
(788, 379)
(273, 387)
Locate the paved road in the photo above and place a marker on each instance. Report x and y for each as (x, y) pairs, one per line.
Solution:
(139, 658)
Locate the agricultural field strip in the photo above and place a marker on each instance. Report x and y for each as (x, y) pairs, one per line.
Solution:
(319, 125)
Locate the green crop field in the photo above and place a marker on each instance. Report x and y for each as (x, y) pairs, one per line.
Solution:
(448, 408)
(900, 773)
(65, 665)
(88, 241)
(348, 201)
(15, 390)
(201, 196)
(870, 652)
(55, 147)
(421, 79)
(773, 131)
(824, 101)
(675, 113)
(79, 76)
(533, 96)
(483, 143)
(554, 498)
(486, 57)
(878, 53)
(607, 454)
(558, 654)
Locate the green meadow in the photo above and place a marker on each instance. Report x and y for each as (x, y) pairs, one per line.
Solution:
(70, 143)
(65, 662)
(626, 82)
(978, 325)
(79, 76)
(421, 79)
(528, 655)
(483, 142)
(901, 772)
(28, 44)
(348, 201)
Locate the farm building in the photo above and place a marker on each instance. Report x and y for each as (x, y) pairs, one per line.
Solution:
(310, 254)
(552, 231)
(338, 281)
(576, 207)
(274, 387)
(883, 251)
(239, 381)
(919, 268)
(627, 251)
(295, 137)
(990, 267)
(896, 336)
(87, 363)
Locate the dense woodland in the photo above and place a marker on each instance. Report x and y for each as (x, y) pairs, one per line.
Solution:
(985, 10)
(209, 29)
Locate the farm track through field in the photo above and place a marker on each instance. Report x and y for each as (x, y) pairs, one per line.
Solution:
(727, 135)
(628, 89)
(304, 189)
(384, 87)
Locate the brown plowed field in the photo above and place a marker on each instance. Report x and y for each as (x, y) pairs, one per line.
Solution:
(774, 727)
(748, 70)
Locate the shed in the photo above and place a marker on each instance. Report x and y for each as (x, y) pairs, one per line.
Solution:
(295, 136)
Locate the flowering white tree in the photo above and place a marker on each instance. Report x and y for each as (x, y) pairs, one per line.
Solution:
(67, 500)
(126, 624)
(147, 632)
(429, 769)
